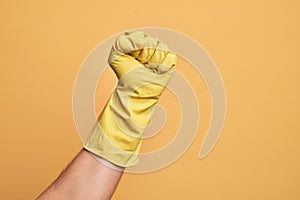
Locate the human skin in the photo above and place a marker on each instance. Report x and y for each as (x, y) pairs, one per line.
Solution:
(137, 59)
(84, 178)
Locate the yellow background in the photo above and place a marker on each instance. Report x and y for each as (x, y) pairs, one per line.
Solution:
(255, 45)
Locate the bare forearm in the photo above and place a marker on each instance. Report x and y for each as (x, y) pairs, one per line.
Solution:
(84, 178)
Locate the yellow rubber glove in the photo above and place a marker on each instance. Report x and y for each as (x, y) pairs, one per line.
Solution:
(143, 66)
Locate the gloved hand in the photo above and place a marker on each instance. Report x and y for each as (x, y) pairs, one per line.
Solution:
(143, 66)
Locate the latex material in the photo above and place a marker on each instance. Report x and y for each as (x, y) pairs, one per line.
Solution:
(143, 65)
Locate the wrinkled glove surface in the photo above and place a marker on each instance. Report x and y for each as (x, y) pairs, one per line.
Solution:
(144, 66)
